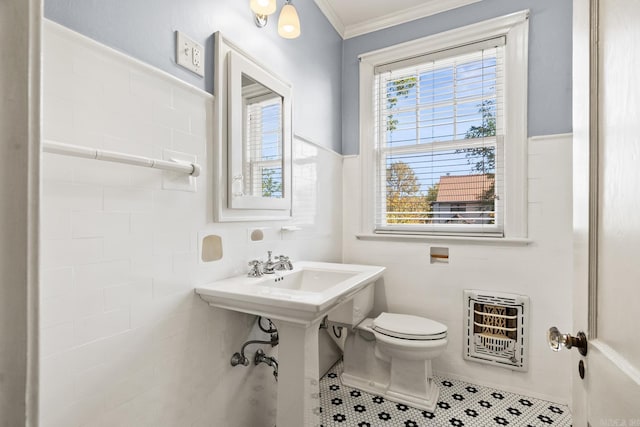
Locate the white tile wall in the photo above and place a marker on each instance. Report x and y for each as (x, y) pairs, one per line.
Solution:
(124, 340)
(542, 270)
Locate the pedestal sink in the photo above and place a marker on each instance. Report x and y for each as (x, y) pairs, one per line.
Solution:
(296, 301)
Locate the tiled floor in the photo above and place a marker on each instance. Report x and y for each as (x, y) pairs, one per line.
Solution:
(460, 404)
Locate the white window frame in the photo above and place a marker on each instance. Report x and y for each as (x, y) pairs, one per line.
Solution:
(515, 27)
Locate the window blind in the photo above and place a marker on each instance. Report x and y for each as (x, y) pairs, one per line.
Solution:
(263, 150)
(439, 142)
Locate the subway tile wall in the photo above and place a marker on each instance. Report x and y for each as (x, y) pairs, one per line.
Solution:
(541, 269)
(124, 340)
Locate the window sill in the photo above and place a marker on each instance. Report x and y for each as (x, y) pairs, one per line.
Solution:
(488, 241)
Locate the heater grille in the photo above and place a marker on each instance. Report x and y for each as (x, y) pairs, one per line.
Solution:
(496, 329)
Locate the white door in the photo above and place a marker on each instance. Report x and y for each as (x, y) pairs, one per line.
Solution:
(606, 124)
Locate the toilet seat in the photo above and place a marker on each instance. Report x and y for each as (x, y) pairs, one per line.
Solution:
(408, 327)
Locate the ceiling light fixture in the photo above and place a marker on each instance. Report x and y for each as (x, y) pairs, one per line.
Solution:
(288, 22)
(262, 9)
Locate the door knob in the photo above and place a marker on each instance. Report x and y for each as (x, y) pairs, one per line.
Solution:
(557, 340)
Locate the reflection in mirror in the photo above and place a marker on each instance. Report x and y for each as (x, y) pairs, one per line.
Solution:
(262, 140)
(259, 140)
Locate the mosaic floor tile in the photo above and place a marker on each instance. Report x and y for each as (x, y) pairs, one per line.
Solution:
(460, 404)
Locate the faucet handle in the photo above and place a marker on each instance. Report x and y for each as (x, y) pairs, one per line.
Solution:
(256, 268)
(284, 263)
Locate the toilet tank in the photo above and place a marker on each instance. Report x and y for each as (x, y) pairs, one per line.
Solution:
(355, 310)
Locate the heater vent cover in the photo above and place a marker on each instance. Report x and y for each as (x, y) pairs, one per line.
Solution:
(496, 329)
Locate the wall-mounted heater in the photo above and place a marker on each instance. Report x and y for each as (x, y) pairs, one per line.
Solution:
(497, 329)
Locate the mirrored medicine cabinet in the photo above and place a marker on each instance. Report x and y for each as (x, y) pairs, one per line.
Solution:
(252, 138)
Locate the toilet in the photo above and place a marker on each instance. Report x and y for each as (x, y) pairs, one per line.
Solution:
(390, 355)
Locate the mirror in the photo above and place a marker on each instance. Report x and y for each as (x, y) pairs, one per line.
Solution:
(259, 144)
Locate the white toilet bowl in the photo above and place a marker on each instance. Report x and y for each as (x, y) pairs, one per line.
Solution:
(391, 356)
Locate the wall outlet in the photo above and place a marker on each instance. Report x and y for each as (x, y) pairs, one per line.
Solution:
(189, 54)
(196, 58)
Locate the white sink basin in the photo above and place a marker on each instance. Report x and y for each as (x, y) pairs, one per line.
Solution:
(302, 295)
(309, 280)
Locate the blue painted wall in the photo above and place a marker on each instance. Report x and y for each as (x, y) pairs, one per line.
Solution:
(322, 68)
(550, 54)
(144, 29)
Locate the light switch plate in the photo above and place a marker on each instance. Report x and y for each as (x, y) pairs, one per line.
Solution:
(189, 54)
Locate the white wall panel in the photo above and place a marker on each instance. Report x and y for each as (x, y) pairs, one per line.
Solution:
(541, 270)
(125, 341)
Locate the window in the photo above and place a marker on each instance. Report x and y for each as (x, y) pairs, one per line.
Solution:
(438, 123)
(443, 133)
(263, 156)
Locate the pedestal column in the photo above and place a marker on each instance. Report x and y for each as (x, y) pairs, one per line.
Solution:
(298, 382)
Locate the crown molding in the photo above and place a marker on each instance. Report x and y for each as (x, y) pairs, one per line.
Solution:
(331, 16)
(428, 8)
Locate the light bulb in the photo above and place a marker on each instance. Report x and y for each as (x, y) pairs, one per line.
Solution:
(263, 7)
(289, 23)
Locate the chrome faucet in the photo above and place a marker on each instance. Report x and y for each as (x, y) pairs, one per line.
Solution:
(259, 268)
(269, 265)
